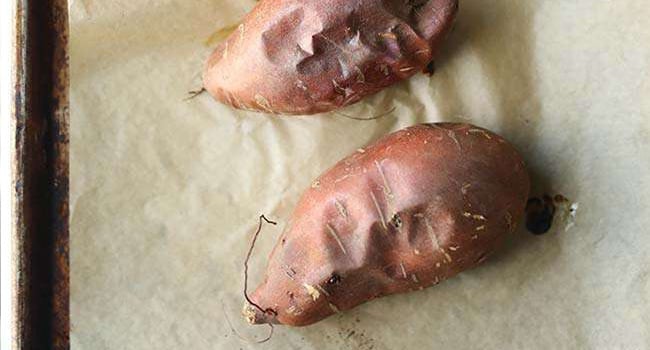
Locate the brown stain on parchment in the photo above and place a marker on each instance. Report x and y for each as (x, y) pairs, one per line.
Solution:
(220, 35)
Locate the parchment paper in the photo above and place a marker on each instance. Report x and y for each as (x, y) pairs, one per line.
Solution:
(165, 193)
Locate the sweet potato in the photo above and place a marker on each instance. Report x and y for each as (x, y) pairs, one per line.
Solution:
(411, 210)
(311, 56)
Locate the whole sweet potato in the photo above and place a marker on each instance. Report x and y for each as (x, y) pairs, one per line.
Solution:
(411, 210)
(311, 56)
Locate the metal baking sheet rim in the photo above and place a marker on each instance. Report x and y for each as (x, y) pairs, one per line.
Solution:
(40, 170)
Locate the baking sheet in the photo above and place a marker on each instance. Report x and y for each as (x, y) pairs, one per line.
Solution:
(165, 193)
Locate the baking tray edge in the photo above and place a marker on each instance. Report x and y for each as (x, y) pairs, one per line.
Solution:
(40, 176)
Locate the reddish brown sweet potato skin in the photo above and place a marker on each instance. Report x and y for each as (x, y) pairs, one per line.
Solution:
(411, 210)
(311, 56)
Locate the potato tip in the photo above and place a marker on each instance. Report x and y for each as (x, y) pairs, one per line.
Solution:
(256, 316)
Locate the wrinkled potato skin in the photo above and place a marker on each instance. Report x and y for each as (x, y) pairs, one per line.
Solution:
(312, 56)
(413, 209)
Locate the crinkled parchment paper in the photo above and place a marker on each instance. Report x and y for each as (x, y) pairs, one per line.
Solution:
(166, 193)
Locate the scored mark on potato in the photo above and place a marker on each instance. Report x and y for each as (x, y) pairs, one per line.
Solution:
(387, 191)
(401, 266)
(294, 310)
(452, 135)
(335, 235)
(289, 271)
(478, 217)
(479, 131)
(388, 195)
(263, 103)
(333, 307)
(341, 178)
(379, 212)
(341, 209)
(436, 242)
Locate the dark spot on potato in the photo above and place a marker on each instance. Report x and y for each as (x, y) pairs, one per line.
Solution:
(430, 68)
(334, 279)
(539, 214)
(396, 221)
(416, 3)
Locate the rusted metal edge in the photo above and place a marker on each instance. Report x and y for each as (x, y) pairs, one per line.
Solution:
(40, 181)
